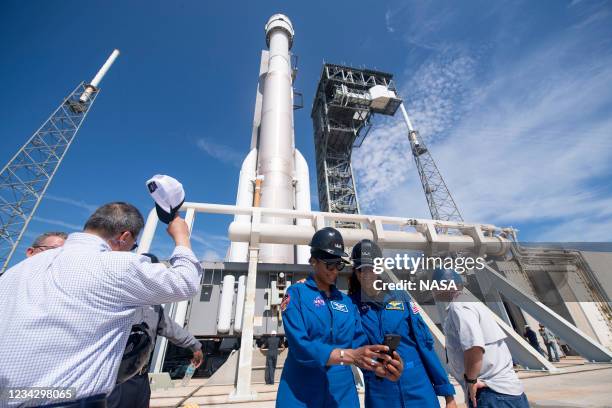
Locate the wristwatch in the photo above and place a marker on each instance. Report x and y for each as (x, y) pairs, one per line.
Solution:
(341, 356)
(469, 380)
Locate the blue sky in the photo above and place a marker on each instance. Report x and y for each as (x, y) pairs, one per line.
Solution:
(513, 98)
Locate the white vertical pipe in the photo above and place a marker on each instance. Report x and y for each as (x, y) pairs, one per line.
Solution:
(148, 232)
(244, 374)
(181, 307)
(239, 251)
(275, 161)
(109, 62)
(178, 309)
(145, 245)
(411, 132)
(406, 117)
(239, 304)
(98, 78)
(225, 308)
(302, 201)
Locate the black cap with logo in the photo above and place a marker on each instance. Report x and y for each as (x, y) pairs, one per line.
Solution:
(365, 252)
(327, 243)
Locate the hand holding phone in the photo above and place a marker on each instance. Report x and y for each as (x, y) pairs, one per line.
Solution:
(392, 341)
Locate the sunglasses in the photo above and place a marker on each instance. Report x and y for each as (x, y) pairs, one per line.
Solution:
(331, 265)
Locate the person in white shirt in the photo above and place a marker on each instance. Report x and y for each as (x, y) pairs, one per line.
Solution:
(478, 356)
(46, 241)
(67, 312)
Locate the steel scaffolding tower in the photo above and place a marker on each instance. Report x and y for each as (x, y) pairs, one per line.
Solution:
(26, 177)
(439, 199)
(341, 115)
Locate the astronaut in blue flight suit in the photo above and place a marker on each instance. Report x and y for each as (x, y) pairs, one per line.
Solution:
(325, 337)
(392, 312)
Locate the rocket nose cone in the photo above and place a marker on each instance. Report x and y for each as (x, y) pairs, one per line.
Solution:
(279, 21)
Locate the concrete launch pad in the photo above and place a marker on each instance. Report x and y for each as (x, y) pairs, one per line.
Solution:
(576, 384)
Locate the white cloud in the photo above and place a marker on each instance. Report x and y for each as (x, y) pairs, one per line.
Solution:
(69, 226)
(77, 203)
(384, 163)
(529, 143)
(220, 152)
(211, 244)
(209, 240)
(211, 256)
(388, 16)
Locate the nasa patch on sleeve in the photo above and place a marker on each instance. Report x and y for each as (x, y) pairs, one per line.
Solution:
(285, 302)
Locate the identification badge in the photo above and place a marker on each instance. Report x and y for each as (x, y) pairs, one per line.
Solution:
(341, 307)
(395, 305)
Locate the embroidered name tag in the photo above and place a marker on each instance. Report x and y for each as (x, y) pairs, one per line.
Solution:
(395, 305)
(341, 307)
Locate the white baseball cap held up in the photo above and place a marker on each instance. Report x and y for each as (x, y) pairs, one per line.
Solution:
(168, 195)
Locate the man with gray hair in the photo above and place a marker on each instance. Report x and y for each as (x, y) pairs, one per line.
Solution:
(68, 311)
(45, 241)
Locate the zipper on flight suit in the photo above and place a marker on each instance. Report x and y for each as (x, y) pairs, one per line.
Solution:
(331, 315)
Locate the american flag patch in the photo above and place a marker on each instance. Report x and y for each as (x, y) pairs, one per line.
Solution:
(415, 308)
(285, 302)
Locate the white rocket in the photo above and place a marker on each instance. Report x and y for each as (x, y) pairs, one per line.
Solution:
(280, 168)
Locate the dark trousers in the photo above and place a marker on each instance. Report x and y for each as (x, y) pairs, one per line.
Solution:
(134, 393)
(487, 398)
(95, 401)
(270, 369)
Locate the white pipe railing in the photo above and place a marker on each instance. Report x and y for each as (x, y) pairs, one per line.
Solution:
(479, 238)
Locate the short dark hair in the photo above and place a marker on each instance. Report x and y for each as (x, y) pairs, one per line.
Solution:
(41, 238)
(114, 218)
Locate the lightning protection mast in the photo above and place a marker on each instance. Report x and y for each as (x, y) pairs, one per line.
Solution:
(26, 177)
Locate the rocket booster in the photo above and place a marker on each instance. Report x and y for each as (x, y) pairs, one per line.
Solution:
(280, 168)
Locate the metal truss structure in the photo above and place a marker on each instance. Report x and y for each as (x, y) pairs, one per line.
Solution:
(439, 199)
(341, 115)
(26, 177)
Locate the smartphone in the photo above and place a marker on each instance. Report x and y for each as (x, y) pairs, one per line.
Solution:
(392, 341)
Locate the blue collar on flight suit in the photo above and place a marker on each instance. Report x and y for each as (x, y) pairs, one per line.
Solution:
(334, 293)
(382, 302)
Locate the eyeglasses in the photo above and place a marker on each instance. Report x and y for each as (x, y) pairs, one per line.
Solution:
(121, 242)
(330, 265)
(135, 242)
(45, 247)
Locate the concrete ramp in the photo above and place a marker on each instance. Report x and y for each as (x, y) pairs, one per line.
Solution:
(226, 374)
(575, 385)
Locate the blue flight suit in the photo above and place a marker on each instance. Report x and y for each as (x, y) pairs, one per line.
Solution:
(424, 376)
(314, 326)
